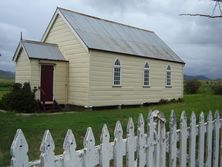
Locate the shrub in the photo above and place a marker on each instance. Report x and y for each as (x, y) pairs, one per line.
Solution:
(20, 99)
(166, 101)
(163, 101)
(217, 89)
(192, 86)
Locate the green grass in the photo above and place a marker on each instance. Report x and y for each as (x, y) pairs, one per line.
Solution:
(34, 126)
(6, 82)
(5, 86)
(206, 86)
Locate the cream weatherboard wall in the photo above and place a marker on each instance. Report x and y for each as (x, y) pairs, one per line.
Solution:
(78, 57)
(29, 70)
(60, 78)
(23, 68)
(102, 92)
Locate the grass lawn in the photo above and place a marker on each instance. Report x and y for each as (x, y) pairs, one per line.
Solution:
(34, 126)
(5, 86)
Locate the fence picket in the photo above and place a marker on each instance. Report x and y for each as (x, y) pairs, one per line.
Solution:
(217, 139)
(119, 148)
(220, 143)
(141, 143)
(19, 150)
(201, 143)
(106, 150)
(91, 155)
(70, 156)
(150, 140)
(130, 144)
(163, 143)
(183, 140)
(47, 157)
(209, 139)
(157, 125)
(192, 148)
(173, 141)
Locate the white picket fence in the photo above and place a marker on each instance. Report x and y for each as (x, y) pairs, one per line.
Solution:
(197, 145)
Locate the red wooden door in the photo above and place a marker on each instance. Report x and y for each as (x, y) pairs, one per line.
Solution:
(47, 82)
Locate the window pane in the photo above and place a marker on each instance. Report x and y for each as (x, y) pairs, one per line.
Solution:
(116, 77)
(168, 78)
(146, 65)
(117, 62)
(146, 77)
(168, 68)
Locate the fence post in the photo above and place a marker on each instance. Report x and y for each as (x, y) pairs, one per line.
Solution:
(47, 157)
(70, 157)
(91, 156)
(193, 133)
(217, 137)
(19, 150)
(183, 140)
(202, 131)
(119, 149)
(141, 142)
(130, 144)
(209, 139)
(173, 140)
(106, 150)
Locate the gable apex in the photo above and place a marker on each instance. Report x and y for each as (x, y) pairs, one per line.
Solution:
(51, 23)
(18, 50)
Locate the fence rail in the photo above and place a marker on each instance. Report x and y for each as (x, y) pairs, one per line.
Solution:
(197, 144)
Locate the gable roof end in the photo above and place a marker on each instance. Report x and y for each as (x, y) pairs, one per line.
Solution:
(51, 23)
(17, 51)
(39, 50)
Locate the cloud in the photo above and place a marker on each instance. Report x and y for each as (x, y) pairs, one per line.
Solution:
(196, 40)
(9, 36)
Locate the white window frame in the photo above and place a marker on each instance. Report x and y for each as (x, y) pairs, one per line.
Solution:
(119, 67)
(146, 69)
(168, 72)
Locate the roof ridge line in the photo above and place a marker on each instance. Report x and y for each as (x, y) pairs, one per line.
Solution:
(38, 42)
(98, 18)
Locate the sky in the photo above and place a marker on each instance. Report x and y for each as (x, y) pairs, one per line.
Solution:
(197, 40)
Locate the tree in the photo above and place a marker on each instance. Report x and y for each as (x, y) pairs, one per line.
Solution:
(192, 86)
(217, 6)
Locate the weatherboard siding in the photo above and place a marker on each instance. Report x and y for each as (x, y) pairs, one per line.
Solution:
(103, 93)
(60, 79)
(23, 68)
(78, 57)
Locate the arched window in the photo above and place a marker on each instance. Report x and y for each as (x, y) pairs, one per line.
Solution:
(146, 76)
(117, 73)
(168, 76)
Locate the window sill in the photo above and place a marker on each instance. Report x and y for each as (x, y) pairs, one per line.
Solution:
(117, 86)
(168, 86)
(146, 86)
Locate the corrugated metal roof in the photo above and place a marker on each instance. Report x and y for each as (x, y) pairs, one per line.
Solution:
(40, 50)
(110, 36)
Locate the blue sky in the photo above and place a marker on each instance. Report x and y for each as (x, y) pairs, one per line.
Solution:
(197, 40)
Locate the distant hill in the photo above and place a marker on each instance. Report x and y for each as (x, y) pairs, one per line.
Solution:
(198, 77)
(7, 74)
